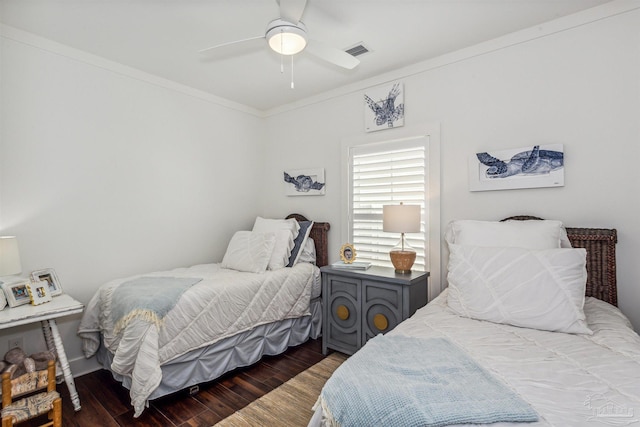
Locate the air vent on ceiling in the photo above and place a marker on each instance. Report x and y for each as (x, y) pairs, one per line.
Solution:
(357, 50)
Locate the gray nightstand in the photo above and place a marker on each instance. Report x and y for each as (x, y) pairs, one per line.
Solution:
(360, 304)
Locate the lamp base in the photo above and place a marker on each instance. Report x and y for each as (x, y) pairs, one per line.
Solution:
(402, 261)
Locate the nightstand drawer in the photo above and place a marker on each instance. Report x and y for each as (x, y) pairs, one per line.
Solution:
(342, 313)
(381, 308)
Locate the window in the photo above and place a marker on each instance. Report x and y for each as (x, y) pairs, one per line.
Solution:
(380, 174)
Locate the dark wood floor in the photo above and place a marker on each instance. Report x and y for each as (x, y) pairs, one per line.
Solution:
(106, 403)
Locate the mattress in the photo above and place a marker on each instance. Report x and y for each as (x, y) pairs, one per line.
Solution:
(221, 304)
(570, 380)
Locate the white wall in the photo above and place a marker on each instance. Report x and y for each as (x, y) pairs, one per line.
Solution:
(578, 87)
(104, 174)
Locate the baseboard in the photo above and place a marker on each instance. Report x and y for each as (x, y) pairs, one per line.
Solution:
(81, 366)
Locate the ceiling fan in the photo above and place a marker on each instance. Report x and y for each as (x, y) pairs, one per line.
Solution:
(287, 36)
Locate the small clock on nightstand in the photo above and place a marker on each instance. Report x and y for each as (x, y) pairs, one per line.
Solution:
(360, 304)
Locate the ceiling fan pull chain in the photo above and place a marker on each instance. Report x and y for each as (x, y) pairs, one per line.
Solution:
(292, 72)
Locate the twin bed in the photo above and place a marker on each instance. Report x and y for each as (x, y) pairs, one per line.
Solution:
(166, 331)
(513, 339)
(528, 331)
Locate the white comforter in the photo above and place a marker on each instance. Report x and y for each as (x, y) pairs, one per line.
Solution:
(223, 304)
(570, 380)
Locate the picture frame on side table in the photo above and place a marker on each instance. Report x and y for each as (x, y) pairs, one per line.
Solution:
(348, 253)
(39, 292)
(48, 275)
(17, 293)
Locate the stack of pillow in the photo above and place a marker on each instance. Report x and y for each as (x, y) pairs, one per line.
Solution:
(272, 244)
(521, 273)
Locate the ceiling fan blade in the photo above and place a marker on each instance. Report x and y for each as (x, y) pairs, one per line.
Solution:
(331, 54)
(292, 10)
(235, 45)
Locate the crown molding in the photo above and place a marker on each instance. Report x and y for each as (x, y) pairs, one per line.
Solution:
(555, 26)
(32, 40)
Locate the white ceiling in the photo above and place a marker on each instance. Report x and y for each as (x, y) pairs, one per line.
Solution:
(162, 37)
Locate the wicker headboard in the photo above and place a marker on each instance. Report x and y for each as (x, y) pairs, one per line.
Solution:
(600, 244)
(319, 235)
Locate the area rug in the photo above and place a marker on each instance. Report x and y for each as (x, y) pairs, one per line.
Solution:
(290, 404)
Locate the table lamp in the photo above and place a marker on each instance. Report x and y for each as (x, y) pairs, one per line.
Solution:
(9, 257)
(401, 219)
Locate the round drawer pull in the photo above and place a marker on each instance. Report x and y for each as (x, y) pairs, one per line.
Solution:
(342, 312)
(380, 321)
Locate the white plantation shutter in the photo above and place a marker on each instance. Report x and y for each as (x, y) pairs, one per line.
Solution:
(385, 174)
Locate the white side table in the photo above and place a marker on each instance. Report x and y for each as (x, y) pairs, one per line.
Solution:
(47, 314)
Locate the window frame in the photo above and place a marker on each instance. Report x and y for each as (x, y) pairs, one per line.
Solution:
(376, 149)
(431, 133)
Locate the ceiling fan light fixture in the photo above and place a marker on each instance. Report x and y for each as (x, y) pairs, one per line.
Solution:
(286, 38)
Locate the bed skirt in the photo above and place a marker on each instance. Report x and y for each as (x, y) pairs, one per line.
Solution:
(243, 349)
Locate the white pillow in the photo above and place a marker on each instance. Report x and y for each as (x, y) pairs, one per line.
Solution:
(533, 289)
(249, 251)
(532, 234)
(286, 231)
(308, 252)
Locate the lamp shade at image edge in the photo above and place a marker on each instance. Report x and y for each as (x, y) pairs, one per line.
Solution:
(9, 256)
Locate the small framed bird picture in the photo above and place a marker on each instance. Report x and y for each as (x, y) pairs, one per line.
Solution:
(304, 182)
(384, 107)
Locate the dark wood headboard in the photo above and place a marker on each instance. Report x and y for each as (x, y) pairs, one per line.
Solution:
(600, 244)
(318, 233)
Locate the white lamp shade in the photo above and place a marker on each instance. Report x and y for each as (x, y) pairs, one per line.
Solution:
(401, 218)
(9, 256)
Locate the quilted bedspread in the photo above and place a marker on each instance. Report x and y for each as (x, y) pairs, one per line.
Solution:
(224, 303)
(409, 381)
(569, 380)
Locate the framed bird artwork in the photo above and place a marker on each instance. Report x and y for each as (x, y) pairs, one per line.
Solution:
(384, 107)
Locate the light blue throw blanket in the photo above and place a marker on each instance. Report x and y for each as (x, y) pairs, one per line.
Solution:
(147, 298)
(403, 381)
